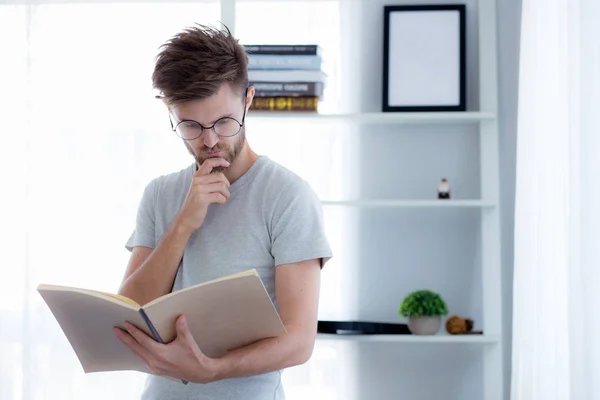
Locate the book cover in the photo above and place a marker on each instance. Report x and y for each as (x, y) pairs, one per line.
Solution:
(222, 315)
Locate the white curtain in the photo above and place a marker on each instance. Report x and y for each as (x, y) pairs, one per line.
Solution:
(80, 136)
(556, 329)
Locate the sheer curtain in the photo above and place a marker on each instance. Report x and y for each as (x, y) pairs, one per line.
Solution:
(80, 136)
(556, 354)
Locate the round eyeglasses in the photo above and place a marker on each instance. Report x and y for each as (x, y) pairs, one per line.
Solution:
(224, 127)
(190, 130)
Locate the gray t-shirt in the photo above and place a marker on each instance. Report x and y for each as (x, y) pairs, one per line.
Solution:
(272, 217)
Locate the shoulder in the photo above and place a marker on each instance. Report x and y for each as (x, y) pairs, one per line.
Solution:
(168, 184)
(283, 182)
(285, 192)
(172, 180)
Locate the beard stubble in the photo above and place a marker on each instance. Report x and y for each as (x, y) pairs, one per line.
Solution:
(231, 153)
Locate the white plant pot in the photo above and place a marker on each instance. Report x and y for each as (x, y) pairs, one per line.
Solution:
(424, 325)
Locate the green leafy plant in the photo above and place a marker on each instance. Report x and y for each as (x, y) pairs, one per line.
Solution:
(423, 303)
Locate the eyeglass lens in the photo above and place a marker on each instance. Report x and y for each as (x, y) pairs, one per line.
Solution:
(223, 127)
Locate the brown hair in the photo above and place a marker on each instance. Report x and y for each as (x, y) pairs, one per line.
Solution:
(196, 62)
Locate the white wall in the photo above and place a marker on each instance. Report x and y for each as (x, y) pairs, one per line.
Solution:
(402, 250)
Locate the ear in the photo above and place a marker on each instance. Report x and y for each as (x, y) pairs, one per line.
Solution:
(164, 101)
(249, 96)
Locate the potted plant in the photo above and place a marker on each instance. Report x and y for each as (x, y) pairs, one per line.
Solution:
(424, 310)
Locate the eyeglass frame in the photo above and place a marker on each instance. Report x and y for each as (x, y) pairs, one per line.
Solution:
(202, 127)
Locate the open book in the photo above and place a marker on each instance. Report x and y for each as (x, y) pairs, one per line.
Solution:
(222, 314)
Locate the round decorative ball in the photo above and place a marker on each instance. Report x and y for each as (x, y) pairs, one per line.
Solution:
(456, 325)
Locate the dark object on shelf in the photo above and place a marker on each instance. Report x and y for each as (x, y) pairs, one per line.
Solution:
(283, 49)
(444, 189)
(424, 58)
(362, 328)
(456, 325)
(287, 103)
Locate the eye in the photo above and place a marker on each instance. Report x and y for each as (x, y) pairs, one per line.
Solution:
(190, 125)
(223, 121)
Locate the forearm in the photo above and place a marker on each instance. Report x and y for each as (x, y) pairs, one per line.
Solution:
(155, 276)
(267, 355)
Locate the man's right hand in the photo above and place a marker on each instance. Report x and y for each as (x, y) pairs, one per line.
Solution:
(206, 188)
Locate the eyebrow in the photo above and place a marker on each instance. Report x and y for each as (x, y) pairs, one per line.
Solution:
(226, 115)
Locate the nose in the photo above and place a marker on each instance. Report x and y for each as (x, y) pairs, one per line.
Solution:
(210, 138)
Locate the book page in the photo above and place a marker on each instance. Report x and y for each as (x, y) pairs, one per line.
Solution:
(87, 319)
(161, 298)
(222, 315)
(121, 298)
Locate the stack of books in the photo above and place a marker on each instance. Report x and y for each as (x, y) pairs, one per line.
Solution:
(285, 77)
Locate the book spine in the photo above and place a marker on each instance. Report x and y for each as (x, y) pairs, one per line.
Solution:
(286, 75)
(285, 103)
(274, 61)
(306, 50)
(292, 89)
(154, 332)
(270, 93)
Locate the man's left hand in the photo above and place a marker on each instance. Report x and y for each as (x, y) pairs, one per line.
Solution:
(180, 359)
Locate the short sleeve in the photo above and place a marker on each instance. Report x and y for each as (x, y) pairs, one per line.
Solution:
(297, 228)
(144, 232)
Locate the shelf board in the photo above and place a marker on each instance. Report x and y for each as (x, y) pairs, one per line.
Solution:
(378, 117)
(440, 338)
(411, 203)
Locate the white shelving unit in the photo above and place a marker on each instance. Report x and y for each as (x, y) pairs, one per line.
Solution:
(376, 203)
(384, 118)
(441, 338)
(493, 382)
(486, 121)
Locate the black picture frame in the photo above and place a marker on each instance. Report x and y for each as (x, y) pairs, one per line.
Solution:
(451, 82)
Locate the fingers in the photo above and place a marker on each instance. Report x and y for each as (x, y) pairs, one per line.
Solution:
(141, 337)
(129, 341)
(212, 178)
(182, 328)
(184, 334)
(208, 165)
(215, 188)
(218, 198)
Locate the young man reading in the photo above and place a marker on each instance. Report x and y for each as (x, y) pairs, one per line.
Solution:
(229, 211)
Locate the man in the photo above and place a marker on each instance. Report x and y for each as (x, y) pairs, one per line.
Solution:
(229, 211)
